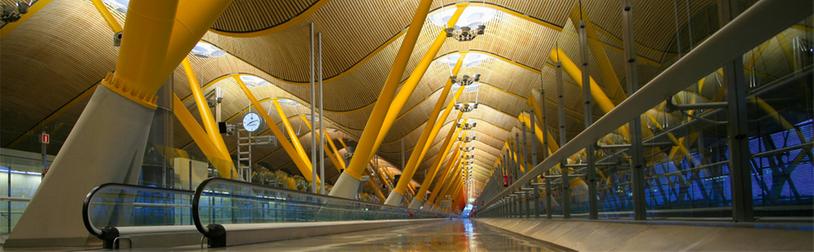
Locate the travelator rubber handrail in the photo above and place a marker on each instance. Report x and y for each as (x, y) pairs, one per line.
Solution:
(216, 232)
(109, 233)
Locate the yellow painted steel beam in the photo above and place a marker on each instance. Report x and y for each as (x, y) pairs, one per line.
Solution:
(302, 164)
(451, 177)
(10, 26)
(602, 100)
(207, 119)
(552, 145)
(404, 94)
(292, 136)
(223, 164)
(332, 155)
(433, 121)
(573, 70)
(138, 77)
(416, 157)
(192, 21)
(342, 142)
(376, 190)
(606, 72)
(448, 143)
(364, 149)
(109, 19)
(538, 112)
(436, 187)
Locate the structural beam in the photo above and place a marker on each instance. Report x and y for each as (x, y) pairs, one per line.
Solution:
(107, 143)
(224, 164)
(207, 119)
(348, 182)
(295, 140)
(299, 159)
(418, 199)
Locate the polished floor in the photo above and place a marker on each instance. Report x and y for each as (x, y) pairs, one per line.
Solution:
(446, 235)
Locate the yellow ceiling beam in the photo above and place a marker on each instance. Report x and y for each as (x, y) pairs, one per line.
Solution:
(365, 147)
(295, 140)
(223, 164)
(205, 113)
(333, 153)
(404, 94)
(302, 164)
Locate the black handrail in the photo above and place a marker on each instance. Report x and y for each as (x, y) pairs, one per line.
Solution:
(216, 232)
(107, 234)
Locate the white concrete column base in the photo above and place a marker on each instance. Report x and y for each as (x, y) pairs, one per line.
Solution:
(346, 187)
(416, 203)
(394, 199)
(106, 145)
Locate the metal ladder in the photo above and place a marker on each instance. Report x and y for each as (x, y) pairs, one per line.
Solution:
(244, 155)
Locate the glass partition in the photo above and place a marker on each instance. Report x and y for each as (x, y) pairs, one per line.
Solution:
(221, 201)
(118, 205)
(686, 138)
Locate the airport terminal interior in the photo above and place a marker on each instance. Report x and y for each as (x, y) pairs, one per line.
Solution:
(419, 125)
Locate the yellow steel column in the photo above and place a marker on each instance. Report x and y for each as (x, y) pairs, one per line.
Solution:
(292, 136)
(436, 188)
(331, 150)
(426, 137)
(450, 178)
(429, 132)
(552, 146)
(207, 119)
(222, 163)
(336, 159)
(453, 179)
(109, 19)
(538, 111)
(419, 197)
(453, 158)
(108, 139)
(348, 182)
(185, 30)
(302, 164)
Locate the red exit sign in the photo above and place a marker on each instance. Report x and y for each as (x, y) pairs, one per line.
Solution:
(45, 138)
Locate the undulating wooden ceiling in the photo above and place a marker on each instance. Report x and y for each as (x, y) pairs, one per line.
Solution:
(51, 63)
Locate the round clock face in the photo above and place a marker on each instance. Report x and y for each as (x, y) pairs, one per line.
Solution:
(251, 122)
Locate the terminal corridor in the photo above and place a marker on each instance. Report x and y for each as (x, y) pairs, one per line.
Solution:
(407, 125)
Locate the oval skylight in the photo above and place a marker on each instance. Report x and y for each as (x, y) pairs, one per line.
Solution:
(118, 5)
(207, 50)
(471, 59)
(468, 89)
(254, 81)
(472, 16)
(286, 101)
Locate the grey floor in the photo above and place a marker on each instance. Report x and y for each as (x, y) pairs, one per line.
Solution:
(447, 235)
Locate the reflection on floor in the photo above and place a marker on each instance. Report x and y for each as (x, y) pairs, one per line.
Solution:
(445, 235)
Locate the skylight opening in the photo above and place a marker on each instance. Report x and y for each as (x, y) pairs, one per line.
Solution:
(467, 89)
(254, 81)
(470, 60)
(286, 101)
(472, 16)
(207, 50)
(117, 5)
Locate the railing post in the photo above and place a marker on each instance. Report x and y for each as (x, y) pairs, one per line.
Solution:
(635, 126)
(566, 194)
(588, 115)
(737, 130)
